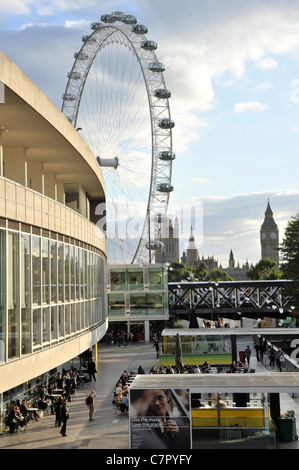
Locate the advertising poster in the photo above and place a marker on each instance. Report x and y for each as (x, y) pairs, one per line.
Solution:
(160, 419)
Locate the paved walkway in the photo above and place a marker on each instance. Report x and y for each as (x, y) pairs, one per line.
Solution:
(109, 430)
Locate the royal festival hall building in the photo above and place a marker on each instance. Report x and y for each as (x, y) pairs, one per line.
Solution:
(53, 263)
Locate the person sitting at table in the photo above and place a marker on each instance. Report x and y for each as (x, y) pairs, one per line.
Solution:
(42, 404)
(24, 410)
(233, 367)
(118, 389)
(13, 419)
(42, 393)
(118, 399)
(153, 370)
(124, 404)
(206, 367)
(74, 378)
(241, 366)
(60, 382)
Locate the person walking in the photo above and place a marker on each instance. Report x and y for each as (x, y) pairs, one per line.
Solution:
(257, 350)
(157, 348)
(272, 357)
(57, 408)
(279, 358)
(64, 416)
(90, 403)
(247, 355)
(91, 369)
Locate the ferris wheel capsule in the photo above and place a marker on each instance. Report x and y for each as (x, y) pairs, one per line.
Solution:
(117, 15)
(139, 29)
(156, 67)
(162, 93)
(154, 245)
(130, 19)
(96, 26)
(90, 38)
(69, 97)
(81, 55)
(166, 155)
(107, 18)
(166, 123)
(149, 45)
(165, 187)
(74, 75)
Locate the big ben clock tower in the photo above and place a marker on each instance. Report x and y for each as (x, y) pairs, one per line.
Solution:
(269, 237)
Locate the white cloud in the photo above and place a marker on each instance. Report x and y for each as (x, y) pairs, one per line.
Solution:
(249, 106)
(264, 86)
(42, 7)
(15, 7)
(234, 223)
(200, 180)
(267, 64)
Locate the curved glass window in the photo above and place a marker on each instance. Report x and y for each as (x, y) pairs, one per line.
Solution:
(50, 290)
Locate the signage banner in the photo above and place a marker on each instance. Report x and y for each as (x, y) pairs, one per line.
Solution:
(160, 419)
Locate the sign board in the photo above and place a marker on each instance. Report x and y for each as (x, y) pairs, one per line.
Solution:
(160, 419)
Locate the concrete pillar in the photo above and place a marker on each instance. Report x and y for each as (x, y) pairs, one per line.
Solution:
(15, 165)
(234, 347)
(60, 193)
(35, 176)
(146, 330)
(50, 186)
(274, 400)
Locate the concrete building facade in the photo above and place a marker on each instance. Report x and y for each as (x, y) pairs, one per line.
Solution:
(53, 268)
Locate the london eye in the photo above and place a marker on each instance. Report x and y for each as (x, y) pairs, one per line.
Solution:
(117, 98)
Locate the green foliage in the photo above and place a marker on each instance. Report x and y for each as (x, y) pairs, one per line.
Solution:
(219, 275)
(265, 269)
(289, 251)
(179, 272)
(201, 273)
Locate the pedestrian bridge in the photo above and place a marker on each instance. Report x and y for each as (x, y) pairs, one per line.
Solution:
(230, 299)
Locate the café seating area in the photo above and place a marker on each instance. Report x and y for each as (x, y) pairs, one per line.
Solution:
(43, 401)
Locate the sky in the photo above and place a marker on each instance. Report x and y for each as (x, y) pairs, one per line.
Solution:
(233, 71)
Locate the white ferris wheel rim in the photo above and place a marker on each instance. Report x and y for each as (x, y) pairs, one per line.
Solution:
(119, 34)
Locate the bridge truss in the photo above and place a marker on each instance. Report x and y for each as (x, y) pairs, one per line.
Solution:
(229, 299)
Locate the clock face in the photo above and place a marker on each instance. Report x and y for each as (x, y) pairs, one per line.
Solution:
(263, 235)
(273, 235)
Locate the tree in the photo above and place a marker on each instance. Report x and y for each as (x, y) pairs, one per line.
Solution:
(178, 272)
(265, 269)
(201, 273)
(219, 275)
(289, 250)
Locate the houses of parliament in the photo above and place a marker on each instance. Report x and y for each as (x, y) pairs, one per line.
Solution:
(170, 251)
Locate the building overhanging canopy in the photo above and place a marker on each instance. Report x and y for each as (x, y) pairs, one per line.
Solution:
(29, 120)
